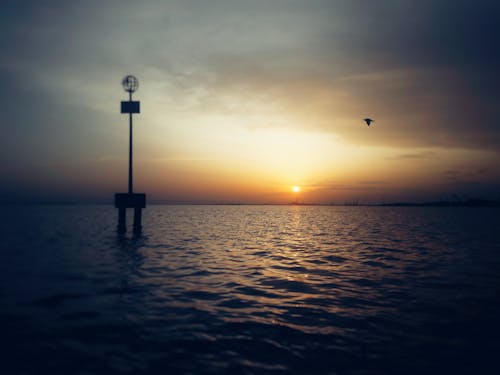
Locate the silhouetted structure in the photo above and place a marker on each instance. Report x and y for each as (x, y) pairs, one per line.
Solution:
(137, 201)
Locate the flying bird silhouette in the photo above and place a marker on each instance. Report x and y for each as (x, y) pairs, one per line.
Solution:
(368, 121)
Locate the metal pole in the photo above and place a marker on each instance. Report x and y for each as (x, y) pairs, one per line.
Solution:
(130, 186)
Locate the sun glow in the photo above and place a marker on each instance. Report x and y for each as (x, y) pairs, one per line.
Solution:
(296, 189)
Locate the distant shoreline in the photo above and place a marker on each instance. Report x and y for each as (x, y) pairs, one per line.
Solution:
(465, 203)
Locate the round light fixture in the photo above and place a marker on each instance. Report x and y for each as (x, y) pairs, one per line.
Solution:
(130, 83)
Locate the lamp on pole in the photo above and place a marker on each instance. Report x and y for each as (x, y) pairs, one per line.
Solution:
(130, 84)
(137, 201)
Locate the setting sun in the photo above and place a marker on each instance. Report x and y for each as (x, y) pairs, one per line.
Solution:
(296, 189)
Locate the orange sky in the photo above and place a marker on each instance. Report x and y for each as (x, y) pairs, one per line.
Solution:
(240, 102)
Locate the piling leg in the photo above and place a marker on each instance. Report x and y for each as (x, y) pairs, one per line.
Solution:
(121, 220)
(137, 220)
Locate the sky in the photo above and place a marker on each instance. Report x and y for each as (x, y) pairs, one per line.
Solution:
(241, 100)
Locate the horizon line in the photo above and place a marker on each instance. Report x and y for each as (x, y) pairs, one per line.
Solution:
(471, 202)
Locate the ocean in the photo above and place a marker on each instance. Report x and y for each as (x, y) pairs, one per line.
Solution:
(250, 290)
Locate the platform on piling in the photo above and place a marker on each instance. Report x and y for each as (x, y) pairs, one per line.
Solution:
(137, 201)
(127, 200)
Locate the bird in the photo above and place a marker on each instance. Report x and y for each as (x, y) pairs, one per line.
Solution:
(368, 121)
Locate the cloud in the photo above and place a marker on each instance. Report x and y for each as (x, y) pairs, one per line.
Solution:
(372, 182)
(413, 156)
(425, 71)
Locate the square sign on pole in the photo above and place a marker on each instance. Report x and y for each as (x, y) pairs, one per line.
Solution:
(131, 107)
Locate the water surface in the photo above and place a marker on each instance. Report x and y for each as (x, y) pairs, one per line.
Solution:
(251, 290)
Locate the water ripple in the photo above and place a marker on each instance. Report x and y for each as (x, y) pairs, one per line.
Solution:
(258, 289)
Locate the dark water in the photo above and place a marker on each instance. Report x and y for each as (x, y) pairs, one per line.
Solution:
(250, 290)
